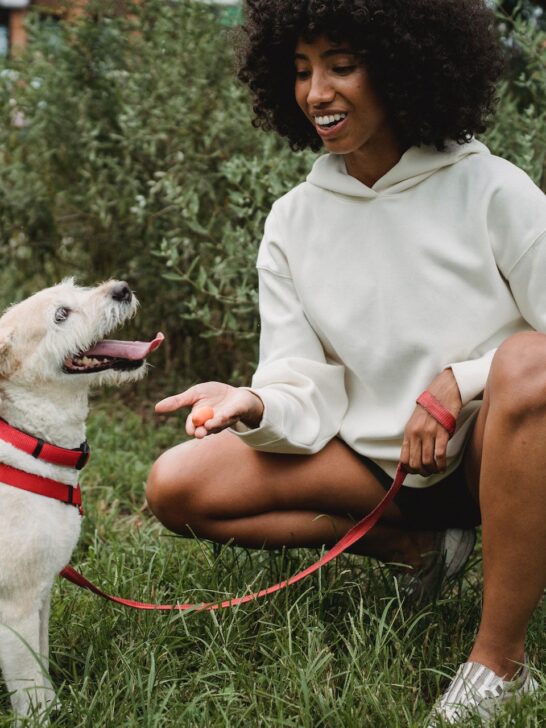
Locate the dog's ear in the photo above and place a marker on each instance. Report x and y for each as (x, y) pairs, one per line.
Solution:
(6, 350)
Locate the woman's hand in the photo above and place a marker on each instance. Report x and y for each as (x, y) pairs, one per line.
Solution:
(425, 440)
(229, 405)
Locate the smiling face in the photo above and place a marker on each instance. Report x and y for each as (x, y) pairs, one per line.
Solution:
(53, 350)
(334, 91)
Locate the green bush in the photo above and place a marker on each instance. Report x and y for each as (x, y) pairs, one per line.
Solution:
(126, 150)
(519, 129)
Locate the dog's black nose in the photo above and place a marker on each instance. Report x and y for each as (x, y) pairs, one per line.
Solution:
(122, 293)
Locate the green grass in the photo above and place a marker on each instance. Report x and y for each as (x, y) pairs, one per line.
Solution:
(337, 650)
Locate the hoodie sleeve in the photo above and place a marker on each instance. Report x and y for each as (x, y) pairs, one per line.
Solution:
(303, 393)
(516, 224)
(471, 375)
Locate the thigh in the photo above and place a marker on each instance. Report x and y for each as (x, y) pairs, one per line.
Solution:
(515, 378)
(223, 478)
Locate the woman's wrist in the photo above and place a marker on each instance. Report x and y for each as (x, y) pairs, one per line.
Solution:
(446, 390)
(253, 417)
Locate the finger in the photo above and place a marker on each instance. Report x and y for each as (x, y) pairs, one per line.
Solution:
(217, 425)
(427, 455)
(177, 401)
(197, 426)
(440, 451)
(190, 427)
(201, 432)
(415, 461)
(405, 454)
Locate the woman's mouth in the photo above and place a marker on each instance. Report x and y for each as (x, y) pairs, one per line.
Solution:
(328, 125)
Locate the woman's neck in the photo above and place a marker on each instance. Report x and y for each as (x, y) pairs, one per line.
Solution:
(371, 162)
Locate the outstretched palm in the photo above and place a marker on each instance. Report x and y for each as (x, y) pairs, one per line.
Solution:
(230, 405)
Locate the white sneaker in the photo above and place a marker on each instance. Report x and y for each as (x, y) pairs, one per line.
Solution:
(442, 565)
(477, 690)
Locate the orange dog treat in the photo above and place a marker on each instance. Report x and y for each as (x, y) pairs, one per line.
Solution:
(201, 415)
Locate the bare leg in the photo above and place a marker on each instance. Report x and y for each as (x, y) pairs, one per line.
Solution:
(509, 441)
(220, 489)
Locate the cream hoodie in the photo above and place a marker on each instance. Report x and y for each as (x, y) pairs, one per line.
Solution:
(366, 294)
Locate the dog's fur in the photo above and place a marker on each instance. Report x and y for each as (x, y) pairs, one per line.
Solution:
(38, 534)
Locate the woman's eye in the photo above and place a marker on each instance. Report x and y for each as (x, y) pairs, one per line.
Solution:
(302, 75)
(344, 70)
(61, 314)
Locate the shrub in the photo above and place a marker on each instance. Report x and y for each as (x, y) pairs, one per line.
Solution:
(126, 150)
(519, 130)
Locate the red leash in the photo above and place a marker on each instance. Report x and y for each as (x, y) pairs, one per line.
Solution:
(426, 400)
(353, 535)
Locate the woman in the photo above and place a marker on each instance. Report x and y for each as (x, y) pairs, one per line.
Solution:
(410, 259)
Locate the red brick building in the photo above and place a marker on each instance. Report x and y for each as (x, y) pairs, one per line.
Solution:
(12, 13)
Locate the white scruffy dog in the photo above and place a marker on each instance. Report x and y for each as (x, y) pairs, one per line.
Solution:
(51, 353)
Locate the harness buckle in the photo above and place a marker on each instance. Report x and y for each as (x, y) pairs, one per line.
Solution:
(38, 449)
(84, 457)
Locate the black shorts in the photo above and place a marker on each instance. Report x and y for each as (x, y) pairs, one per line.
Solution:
(447, 504)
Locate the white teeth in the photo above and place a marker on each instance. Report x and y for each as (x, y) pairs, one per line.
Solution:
(325, 120)
(86, 361)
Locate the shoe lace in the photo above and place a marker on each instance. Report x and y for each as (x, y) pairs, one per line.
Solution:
(492, 692)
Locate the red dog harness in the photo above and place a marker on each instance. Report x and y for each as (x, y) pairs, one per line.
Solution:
(426, 400)
(42, 450)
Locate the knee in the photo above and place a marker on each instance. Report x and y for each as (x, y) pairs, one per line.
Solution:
(171, 491)
(517, 381)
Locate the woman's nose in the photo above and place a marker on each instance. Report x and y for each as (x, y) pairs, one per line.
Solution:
(320, 90)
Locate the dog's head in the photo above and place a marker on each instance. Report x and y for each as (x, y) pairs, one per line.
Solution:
(57, 336)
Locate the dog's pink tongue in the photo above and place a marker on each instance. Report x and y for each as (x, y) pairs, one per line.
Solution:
(132, 350)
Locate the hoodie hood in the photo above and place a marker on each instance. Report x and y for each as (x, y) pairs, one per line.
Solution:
(416, 164)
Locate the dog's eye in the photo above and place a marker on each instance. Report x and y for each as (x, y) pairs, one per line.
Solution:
(61, 314)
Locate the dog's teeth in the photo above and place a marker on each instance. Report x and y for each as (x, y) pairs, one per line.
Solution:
(83, 362)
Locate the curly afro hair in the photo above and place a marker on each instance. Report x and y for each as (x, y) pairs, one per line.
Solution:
(433, 63)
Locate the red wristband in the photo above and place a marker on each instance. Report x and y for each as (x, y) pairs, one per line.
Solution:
(443, 416)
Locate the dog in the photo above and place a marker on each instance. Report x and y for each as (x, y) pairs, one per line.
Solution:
(51, 353)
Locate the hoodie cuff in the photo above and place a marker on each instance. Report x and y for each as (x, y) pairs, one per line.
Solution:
(270, 428)
(471, 376)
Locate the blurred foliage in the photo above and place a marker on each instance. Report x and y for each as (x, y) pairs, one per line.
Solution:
(532, 11)
(519, 129)
(126, 150)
